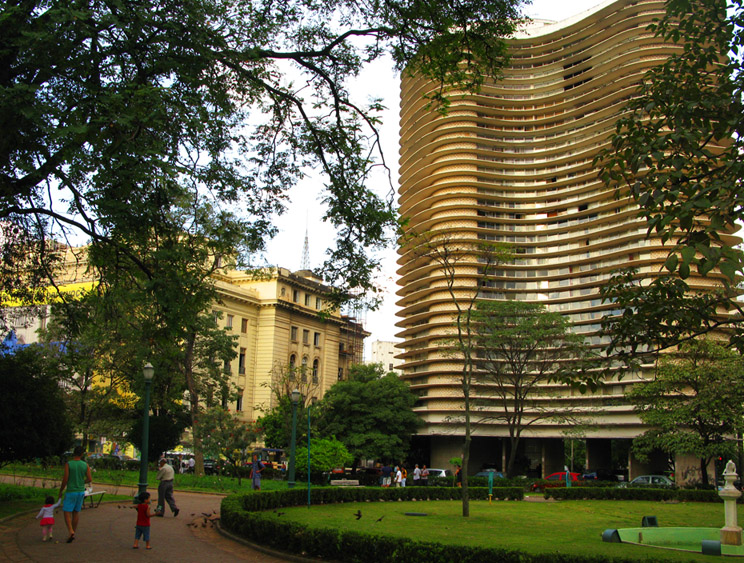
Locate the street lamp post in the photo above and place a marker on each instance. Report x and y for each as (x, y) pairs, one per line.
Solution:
(295, 396)
(148, 371)
(309, 407)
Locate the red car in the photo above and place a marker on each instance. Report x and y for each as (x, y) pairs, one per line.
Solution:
(558, 480)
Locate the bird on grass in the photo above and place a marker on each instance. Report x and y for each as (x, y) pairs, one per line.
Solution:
(380, 518)
(358, 514)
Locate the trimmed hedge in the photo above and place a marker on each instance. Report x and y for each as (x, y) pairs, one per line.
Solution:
(633, 493)
(242, 515)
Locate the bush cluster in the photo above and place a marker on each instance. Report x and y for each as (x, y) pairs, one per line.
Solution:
(633, 493)
(241, 514)
(16, 492)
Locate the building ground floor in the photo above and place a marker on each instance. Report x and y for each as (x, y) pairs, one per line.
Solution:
(538, 457)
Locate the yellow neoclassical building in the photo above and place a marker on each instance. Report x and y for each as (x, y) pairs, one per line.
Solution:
(514, 164)
(281, 319)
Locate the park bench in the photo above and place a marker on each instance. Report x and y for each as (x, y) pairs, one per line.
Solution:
(345, 482)
(94, 498)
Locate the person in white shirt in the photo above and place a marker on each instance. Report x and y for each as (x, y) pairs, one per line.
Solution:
(398, 476)
(165, 489)
(416, 476)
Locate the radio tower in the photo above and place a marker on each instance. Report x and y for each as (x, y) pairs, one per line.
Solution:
(305, 253)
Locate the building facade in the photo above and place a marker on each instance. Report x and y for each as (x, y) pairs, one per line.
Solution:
(383, 352)
(281, 318)
(282, 322)
(514, 164)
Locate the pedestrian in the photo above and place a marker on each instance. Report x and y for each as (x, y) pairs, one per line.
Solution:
(458, 476)
(142, 528)
(386, 475)
(403, 476)
(165, 489)
(398, 476)
(256, 467)
(424, 476)
(192, 464)
(76, 476)
(416, 476)
(47, 517)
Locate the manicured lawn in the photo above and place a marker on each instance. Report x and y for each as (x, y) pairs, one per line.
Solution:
(567, 527)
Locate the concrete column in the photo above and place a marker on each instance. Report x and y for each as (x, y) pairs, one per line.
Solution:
(656, 465)
(553, 456)
(444, 448)
(687, 470)
(598, 454)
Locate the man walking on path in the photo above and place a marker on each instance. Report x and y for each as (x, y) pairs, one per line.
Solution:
(165, 489)
(77, 475)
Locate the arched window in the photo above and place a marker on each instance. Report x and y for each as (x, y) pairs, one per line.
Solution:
(292, 361)
(304, 368)
(316, 364)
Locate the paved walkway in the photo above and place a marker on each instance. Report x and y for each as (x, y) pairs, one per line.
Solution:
(106, 534)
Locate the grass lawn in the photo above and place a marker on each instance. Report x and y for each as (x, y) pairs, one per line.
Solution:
(567, 527)
(18, 498)
(124, 478)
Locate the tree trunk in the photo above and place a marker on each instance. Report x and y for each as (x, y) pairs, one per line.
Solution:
(466, 452)
(513, 445)
(188, 373)
(704, 470)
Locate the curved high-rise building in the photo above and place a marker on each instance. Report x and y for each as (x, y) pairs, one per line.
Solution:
(514, 164)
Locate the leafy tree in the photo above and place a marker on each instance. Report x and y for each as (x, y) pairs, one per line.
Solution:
(224, 434)
(466, 267)
(678, 154)
(370, 413)
(122, 108)
(33, 421)
(693, 405)
(93, 367)
(277, 422)
(325, 455)
(166, 429)
(521, 346)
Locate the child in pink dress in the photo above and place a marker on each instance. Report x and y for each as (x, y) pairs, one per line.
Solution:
(47, 517)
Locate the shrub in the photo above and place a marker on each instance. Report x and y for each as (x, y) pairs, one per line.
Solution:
(632, 493)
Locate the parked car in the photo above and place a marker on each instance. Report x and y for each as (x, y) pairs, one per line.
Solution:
(487, 472)
(653, 482)
(599, 475)
(439, 473)
(557, 479)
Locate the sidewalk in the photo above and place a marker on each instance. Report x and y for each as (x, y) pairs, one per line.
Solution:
(106, 534)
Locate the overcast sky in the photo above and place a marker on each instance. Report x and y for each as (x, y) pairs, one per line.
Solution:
(379, 80)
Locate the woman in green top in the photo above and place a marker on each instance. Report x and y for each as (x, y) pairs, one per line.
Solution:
(77, 475)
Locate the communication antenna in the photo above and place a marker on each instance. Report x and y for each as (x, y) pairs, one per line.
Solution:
(306, 251)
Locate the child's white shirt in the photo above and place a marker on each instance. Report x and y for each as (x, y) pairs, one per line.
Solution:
(48, 511)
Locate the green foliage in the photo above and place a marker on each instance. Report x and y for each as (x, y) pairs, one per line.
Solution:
(632, 493)
(98, 369)
(678, 154)
(165, 432)
(147, 106)
(277, 424)
(372, 416)
(655, 316)
(521, 346)
(693, 405)
(33, 421)
(326, 454)
(224, 434)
